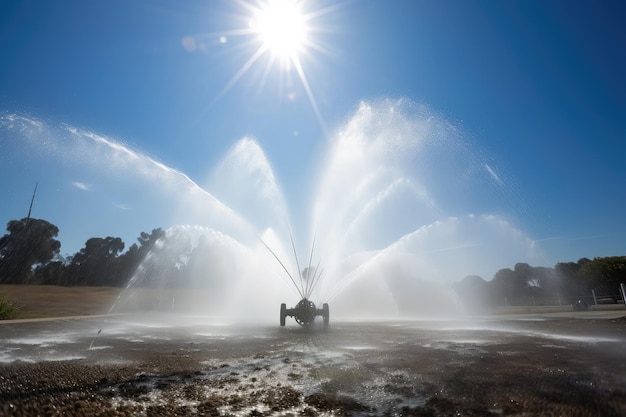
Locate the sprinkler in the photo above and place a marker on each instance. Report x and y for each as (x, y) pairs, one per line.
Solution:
(304, 313)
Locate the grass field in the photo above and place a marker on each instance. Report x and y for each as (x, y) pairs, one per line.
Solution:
(38, 301)
(44, 301)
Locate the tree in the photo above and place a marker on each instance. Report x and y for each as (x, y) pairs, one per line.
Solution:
(502, 288)
(147, 241)
(97, 262)
(136, 254)
(605, 274)
(571, 281)
(52, 273)
(130, 261)
(30, 242)
(546, 283)
(515, 286)
(473, 292)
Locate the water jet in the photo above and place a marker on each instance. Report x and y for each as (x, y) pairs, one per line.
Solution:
(396, 213)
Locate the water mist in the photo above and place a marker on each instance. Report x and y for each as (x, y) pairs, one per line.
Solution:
(399, 210)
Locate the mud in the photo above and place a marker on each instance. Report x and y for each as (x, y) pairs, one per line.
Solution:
(187, 367)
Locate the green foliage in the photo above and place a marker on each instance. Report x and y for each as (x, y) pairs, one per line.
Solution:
(97, 263)
(566, 282)
(8, 309)
(604, 274)
(29, 254)
(52, 273)
(572, 282)
(28, 243)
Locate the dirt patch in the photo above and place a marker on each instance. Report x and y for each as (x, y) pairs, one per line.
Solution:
(545, 367)
(568, 367)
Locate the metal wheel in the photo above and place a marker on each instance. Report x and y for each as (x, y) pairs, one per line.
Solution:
(283, 314)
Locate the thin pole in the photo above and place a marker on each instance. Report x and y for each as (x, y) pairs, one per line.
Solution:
(32, 200)
(308, 271)
(295, 254)
(283, 265)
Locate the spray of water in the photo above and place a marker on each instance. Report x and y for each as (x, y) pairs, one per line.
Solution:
(398, 212)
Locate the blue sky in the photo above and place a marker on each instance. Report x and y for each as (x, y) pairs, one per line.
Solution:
(535, 89)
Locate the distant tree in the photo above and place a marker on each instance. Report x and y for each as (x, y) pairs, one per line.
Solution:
(545, 281)
(526, 275)
(97, 264)
(29, 243)
(567, 269)
(163, 264)
(513, 286)
(135, 255)
(52, 273)
(502, 287)
(605, 274)
(473, 291)
(572, 283)
(567, 281)
(147, 240)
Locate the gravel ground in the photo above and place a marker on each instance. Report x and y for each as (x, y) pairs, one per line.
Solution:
(178, 366)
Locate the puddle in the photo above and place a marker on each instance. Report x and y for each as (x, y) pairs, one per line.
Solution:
(364, 347)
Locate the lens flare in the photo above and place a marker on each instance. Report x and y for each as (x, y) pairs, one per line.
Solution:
(282, 29)
(280, 34)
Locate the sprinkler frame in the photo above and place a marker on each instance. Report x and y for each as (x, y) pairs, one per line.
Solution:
(304, 313)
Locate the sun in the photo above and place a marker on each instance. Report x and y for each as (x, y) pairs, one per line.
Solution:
(280, 34)
(281, 27)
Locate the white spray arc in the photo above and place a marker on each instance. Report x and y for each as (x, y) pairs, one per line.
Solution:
(397, 213)
(394, 214)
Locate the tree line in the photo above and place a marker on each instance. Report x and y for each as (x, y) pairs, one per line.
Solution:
(565, 283)
(30, 254)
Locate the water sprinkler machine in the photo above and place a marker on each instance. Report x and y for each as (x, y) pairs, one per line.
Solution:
(304, 313)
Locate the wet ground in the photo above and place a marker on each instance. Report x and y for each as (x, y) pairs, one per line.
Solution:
(178, 366)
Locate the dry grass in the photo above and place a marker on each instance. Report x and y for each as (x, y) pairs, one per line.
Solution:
(43, 301)
(37, 301)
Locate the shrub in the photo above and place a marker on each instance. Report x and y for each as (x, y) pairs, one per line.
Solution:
(8, 309)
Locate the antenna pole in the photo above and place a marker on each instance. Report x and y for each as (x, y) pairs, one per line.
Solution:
(32, 200)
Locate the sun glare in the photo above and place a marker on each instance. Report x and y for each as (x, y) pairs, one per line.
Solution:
(281, 28)
(281, 34)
